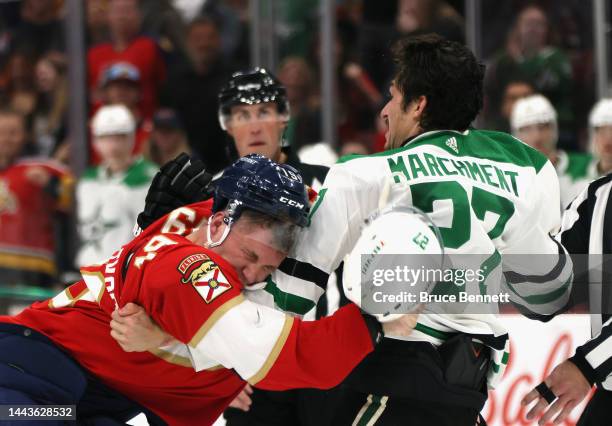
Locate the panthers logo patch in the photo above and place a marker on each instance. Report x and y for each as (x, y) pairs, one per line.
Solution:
(204, 275)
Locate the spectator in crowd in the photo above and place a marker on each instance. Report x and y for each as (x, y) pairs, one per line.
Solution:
(233, 20)
(192, 88)
(376, 33)
(126, 45)
(429, 16)
(110, 196)
(160, 19)
(49, 118)
(357, 98)
(40, 29)
(297, 77)
(96, 18)
(534, 121)
(600, 129)
(20, 91)
(498, 115)
(120, 85)
(168, 137)
(529, 54)
(31, 193)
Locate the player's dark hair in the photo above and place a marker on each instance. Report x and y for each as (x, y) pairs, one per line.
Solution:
(446, 73)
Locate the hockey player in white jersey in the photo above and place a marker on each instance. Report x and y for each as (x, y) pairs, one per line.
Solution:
(110, 195)
(534, 121)
(488, 193)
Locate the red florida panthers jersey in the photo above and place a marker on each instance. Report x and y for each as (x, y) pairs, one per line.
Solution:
(195, 296)
(26, 220)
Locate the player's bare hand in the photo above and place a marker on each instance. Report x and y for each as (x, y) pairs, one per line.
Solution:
(243, 400)
(569, 386)
(135, 331)
(38, 175)
(404, 325)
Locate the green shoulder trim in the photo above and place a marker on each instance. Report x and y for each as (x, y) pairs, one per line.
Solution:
(90, 173)
(288, 302)
(486, 144)
(140, 173)
(578, 164)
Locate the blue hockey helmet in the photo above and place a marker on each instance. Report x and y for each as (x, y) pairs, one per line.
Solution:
(259, 183)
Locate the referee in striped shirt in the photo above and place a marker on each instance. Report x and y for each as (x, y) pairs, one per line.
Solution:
(586, 228)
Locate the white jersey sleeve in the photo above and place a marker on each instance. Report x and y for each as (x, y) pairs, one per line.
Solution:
(537, 269)
(336, 218)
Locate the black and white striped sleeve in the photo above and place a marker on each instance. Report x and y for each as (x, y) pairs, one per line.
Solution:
(576, 224)
(594, 358)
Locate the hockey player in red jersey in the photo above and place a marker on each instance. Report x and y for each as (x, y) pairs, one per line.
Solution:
(60, 351)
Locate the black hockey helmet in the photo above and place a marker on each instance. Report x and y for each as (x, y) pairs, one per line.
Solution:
(251, 87)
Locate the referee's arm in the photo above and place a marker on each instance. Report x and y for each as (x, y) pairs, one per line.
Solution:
(574, 235)
(594, 358)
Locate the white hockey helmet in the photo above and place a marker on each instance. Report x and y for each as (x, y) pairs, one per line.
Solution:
(600, 115)
(394, 232)
(534, 109)
(113, 120)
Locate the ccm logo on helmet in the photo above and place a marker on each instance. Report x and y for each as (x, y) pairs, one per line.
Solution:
(291, 202)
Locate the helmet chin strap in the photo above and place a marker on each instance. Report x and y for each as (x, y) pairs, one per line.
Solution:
(209, 242)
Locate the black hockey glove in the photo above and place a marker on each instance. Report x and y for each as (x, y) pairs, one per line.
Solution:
(179, 182)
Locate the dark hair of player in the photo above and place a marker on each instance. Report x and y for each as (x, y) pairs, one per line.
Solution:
(446, 73)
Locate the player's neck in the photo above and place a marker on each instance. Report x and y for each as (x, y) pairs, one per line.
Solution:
(118, 166)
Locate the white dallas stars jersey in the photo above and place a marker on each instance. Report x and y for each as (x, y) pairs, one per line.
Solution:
(575, 170)
(488, 193)
(107, 207)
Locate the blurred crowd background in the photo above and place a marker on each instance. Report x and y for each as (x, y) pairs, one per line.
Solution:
(162, 63)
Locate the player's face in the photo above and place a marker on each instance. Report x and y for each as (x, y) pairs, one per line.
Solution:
(248, 248)
(400, 124)
(114, 148)
(12, 135)
(603, 142)
(540, 136)
(257, 129)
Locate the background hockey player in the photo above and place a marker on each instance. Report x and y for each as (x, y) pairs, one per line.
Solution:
(534, 121)
(254, 111)
(110, 196)
(600, 133)
(195, 294)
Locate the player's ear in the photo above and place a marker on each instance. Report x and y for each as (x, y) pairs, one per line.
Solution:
(217, 226)
(419, 105)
